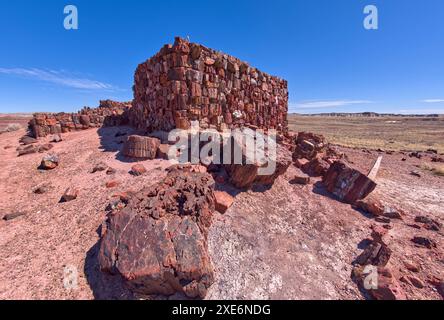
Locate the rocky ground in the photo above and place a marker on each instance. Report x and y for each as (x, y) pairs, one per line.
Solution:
(289, 241)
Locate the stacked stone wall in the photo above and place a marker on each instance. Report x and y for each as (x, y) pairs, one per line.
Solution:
(109, 113)
(188, 82)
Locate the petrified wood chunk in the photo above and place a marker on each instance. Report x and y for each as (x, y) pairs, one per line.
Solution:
(138, 169)
(346, 183)
(158, 242)
(387, 288)
(247, 174)
(377, 254)
(223, 201)
(141, 147)
(12, 216)
(49, 162)
(308, 145)
(27, 149)
(26, 140)
(70, 194)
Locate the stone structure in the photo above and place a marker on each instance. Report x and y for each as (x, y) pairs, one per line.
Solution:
(182, 83)
(109, 113)
(188, 82)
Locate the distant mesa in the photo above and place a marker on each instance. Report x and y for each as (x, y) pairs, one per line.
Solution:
(365, 114)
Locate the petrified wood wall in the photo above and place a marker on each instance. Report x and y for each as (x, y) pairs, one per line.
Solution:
(109, 113)
(187, 81)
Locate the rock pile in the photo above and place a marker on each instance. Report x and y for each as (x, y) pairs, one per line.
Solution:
(158, 241)
(311, 153)
(187, 81)
(309, 145)
(109, 113)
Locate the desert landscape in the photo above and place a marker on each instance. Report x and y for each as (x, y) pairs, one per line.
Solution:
(265, 236)
(14, 121)
(396, 133)
(92, 206)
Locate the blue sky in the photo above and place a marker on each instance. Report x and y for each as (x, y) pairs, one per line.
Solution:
(320, 46)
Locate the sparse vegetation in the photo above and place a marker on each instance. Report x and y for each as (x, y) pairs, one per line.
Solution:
(437, 170)
(13, 127)
(13, 120)
(388, 133)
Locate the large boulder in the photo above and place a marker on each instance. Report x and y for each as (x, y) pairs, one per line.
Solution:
(158, 242)
(347, 183)
(255, 171)
(141, 147)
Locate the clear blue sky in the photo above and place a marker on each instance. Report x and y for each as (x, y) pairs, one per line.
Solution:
(320, 46)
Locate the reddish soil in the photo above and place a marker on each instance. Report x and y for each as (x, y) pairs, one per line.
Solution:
(287, 242)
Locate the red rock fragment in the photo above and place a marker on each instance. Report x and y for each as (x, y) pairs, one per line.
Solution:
(70, 194)
(49, 162)
(300, 178)
(386, 286)
(112, 184)
(138, 169)
(223, 201)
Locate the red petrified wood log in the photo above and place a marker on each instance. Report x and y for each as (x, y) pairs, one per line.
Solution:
(158, 242)
(348, 184)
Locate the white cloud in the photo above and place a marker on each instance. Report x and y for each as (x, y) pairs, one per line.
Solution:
(58, 77)
(433, 100)
(314, 104)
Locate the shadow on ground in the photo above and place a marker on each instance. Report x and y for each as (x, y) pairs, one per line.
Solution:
(103, 286)
(319, 188)
(112, 140)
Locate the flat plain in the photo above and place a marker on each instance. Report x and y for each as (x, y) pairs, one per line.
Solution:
(389, 133)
